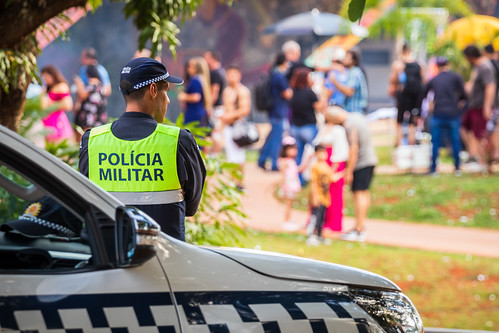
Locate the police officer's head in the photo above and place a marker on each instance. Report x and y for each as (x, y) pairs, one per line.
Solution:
(144, 84)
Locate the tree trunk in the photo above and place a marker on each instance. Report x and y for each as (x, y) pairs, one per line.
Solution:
(12, 106)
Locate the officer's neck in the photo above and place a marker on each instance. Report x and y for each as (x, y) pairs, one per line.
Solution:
(133, 106)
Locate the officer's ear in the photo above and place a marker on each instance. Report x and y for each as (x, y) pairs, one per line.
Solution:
(153, 90)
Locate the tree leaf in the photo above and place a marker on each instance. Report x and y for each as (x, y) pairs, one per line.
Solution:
(355, 9)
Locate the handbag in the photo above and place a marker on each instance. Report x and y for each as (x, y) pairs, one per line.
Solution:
(245, 133)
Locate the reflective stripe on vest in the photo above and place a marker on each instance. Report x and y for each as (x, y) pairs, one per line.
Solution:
(136, 172)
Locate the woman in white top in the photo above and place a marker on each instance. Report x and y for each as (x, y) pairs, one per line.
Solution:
(334, 138)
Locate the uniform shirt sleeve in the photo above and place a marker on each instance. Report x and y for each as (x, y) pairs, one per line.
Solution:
(191, 171)
(83, 163)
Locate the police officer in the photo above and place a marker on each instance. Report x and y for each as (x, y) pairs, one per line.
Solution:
(154, 167)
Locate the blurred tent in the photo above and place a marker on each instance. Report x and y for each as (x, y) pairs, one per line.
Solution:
(322, 55)
(53, 28)
(475, 29)
(317, 23)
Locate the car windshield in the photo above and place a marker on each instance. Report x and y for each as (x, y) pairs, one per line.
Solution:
(36, 230)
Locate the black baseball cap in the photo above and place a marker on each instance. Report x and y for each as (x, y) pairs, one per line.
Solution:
(45, 217)
(141, 72)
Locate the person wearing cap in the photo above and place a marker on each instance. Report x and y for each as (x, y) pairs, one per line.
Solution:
(446, 109)
(154, 167)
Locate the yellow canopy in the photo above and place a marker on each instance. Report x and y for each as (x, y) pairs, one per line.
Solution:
(475, 29)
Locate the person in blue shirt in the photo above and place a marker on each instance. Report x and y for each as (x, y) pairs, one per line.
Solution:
(89, 57)
(355, 88)
(281, 94)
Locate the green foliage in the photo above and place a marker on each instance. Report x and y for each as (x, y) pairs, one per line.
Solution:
(11, 205)
(355, 9)
(16, 67)
(154, 19)
(455, 56)
(412, 25)
(219, 217)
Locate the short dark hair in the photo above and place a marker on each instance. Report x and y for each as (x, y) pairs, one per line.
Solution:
(472, 51)
(406, 47)
(489, 49)
(234, 67)
(214, 54)
(129, 94)
(319, 148)
(90, 52)
(92, 71)
(280, 59)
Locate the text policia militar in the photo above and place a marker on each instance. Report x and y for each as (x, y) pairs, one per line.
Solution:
(139, 160)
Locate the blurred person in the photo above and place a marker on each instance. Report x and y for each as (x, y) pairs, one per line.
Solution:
(290, 182)
(92, 111)
(481, 91)
(492, 123)
(406, 84)
(334, 138)
(292, 51)
(281, 94)
(355, 88)
(360, 166)
(56, 92)
(340, 73)
(304, 104)
(145, 53)
(446, 109)
(237, 105)
(218, 84)
(89, 57)
(321, 177)
(197, 94)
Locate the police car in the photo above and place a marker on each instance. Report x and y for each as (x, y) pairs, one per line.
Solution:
(74, 259)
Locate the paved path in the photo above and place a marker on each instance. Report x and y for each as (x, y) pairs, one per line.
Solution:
(266, 214)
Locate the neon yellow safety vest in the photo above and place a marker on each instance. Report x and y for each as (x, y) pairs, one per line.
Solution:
(141, 172)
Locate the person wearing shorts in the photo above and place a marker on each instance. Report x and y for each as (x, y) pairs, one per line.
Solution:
(482, 96)
(360, 165)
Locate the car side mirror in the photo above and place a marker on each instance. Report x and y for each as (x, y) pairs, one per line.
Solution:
(136, 237)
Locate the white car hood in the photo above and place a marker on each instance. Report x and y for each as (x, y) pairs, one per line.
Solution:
(296, 268)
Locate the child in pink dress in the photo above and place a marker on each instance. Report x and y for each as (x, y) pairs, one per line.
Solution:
(290, 185)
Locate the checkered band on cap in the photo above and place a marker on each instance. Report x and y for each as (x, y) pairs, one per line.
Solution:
(148, 82)
(50, 225)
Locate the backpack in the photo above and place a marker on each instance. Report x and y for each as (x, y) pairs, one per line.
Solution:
(414, 82)
(262, 94)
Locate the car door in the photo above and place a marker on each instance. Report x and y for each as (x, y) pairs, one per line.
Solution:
(60, 283)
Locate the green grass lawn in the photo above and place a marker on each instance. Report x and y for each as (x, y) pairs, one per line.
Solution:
(451, 291)
(470, 201)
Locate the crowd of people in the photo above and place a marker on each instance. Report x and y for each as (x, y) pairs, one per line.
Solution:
(89, 107)
(447, 107)
(318, 135)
